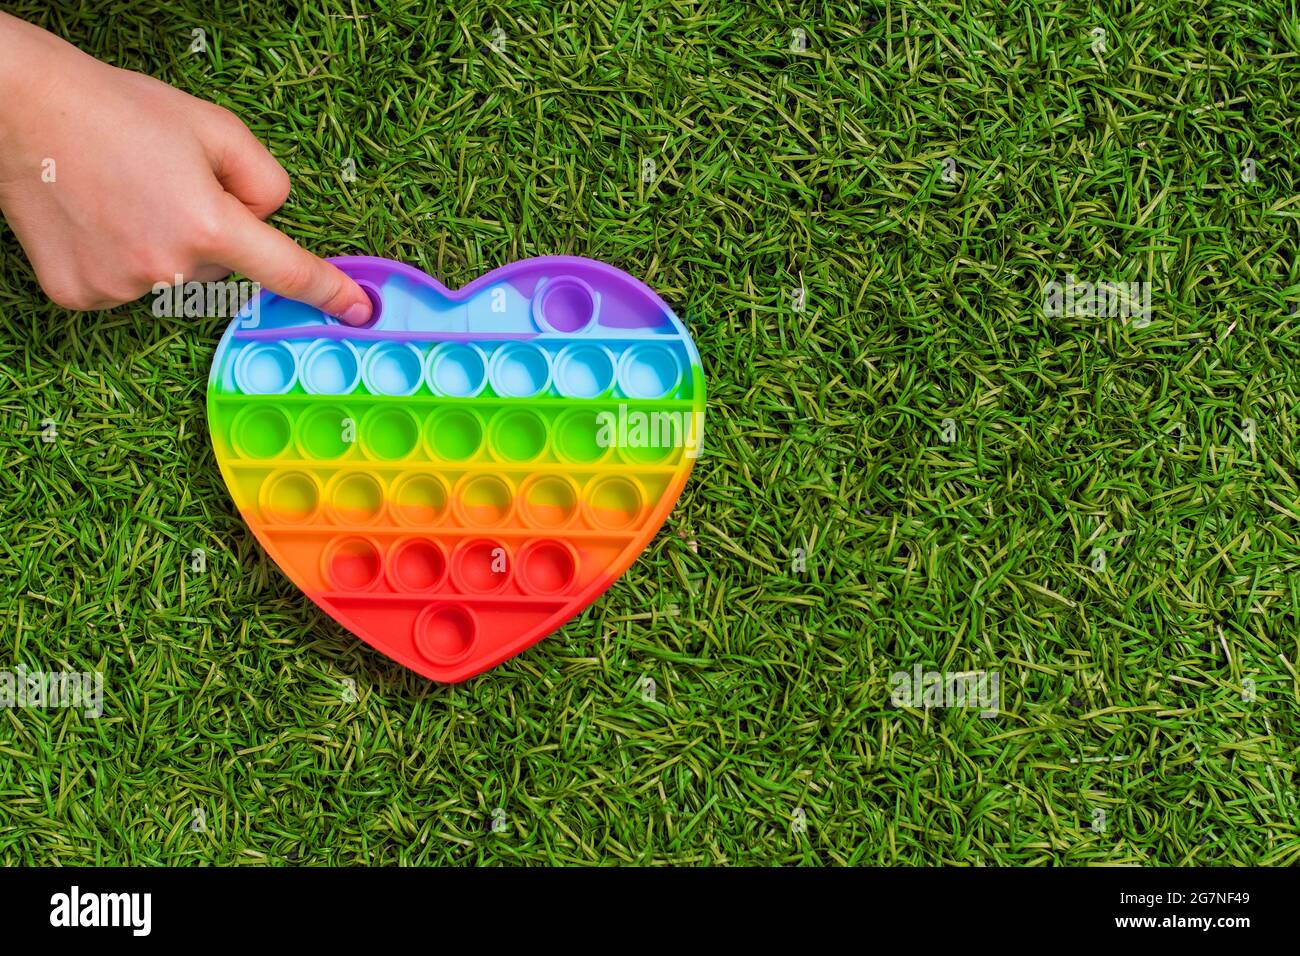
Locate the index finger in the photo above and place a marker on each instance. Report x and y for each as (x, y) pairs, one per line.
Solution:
(280, 265)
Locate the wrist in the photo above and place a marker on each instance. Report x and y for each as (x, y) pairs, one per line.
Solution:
(31, 65)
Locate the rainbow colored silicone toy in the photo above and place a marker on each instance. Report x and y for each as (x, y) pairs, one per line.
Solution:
(462, 477)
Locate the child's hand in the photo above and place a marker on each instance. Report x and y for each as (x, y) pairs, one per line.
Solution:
(113, 181)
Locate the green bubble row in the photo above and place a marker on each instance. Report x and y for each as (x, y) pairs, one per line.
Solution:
(394, 434)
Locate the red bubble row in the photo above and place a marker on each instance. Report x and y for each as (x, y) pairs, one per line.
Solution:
(541, 567)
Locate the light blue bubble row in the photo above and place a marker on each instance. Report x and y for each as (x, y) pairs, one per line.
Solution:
(581, 370)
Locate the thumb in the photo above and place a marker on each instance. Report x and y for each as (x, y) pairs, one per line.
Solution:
(280, 265)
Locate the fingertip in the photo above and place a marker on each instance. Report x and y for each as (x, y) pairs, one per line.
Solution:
(266, 255)
(356, 314)
(355, 305)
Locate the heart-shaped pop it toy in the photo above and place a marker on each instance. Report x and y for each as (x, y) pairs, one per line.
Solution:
(460, 478)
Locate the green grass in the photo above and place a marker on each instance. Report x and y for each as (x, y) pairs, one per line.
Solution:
(1126, 690)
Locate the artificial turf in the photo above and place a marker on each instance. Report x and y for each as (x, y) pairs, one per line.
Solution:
(830, 535)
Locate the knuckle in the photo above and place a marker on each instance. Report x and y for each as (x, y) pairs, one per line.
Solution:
(227, 119)
(298, 277)
(110, 291)
(206, 228)
(279, 186)
(67, 293)
(148, 264)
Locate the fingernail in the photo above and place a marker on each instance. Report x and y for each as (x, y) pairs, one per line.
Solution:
(356, 314)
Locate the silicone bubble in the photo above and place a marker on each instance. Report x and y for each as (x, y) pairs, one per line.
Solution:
(260, 431)
(648, 371)
(389, 433)
(266, 368)
(482, 566)
(352, 563)
(548, 566)
(483, 500)
(454, 434)
(467, 472)
(584, 371)
(548, 501)
(354, 497)
(566, 304)
(457, 369)
(393, 368)
(420, 499)
(584, 436)
(290, 497)
(519, 370)
(326, 432)
(615, 502)
(445, 634)
(330, 367)
(518, 435)
(416, 565)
